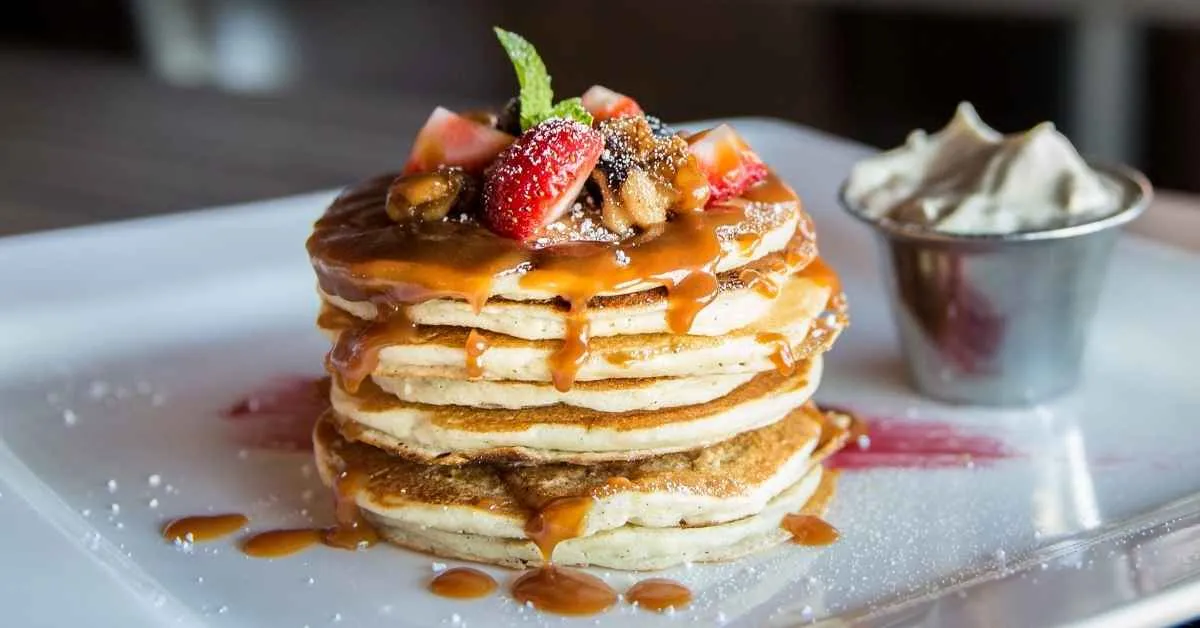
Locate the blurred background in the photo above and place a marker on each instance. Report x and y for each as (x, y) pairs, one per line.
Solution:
(115, 108)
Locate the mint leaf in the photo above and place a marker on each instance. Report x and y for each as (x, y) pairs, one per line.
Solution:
(572, 109)
(536, 95)
(535, 92)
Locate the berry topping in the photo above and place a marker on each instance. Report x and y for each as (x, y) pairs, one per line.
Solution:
(604, 104)
(727, 161)
(448, 139)
(509, 119)
(539, 177)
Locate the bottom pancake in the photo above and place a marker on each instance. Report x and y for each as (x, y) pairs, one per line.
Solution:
(630, 547)
(710, 504)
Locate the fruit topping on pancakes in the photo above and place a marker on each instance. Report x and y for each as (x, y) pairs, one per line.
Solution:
(603, 103)
(727, 161)
(538, 178)
(448, 139)
(596, 168)
(640, 176)
(431, 195)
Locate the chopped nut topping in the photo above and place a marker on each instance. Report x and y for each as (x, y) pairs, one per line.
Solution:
(642, 175)
(428, 196)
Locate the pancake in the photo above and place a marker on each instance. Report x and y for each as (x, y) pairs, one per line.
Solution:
(612, 395)
(709, 504)
(803, 319)
(631, 548)
(359, 254)
(745, 295)
(457, 434)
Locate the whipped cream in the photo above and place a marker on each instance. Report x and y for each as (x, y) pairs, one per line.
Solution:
(970, 179)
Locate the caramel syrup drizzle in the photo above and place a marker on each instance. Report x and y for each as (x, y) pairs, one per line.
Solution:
(806, 526)
(201, 528)
(462, 583)
(575, 348)
(356, 353)
(784, 358)
(659, 594)
(560, 519)
(564, 591)
(477, 343)
(820, 273)
(359, 254)
(352, 531)
(553, 589)
(810, 530)
(759, 282)
(279, 543)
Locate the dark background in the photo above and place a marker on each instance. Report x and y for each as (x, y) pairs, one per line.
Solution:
(113, 106)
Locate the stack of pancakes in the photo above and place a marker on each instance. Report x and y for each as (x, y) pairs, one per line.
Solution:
(646, 401)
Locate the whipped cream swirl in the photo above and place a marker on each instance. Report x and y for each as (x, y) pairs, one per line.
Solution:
(970, 179)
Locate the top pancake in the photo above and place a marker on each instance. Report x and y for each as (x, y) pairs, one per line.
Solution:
(743, 295)
(360, 254)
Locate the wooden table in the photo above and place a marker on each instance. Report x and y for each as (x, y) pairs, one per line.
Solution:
(85, 141)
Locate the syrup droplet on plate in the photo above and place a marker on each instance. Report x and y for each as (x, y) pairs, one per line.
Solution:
(462, 583)
(279, 543)
(659, 594)
(204, 527)
(564, 591)
(810, 530)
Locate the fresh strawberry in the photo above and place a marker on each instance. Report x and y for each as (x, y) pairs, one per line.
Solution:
(448, 139)
(535, 181)
(727, 161)
(603, 103)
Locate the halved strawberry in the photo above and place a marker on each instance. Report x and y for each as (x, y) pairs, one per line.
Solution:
(603, 103)
(727, 161)
(448, 139)
(535, 181)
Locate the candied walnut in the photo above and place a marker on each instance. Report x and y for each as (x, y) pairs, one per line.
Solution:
(692, 186)
(428, 196)
(643, 174)
(641, 201)
(629, 141)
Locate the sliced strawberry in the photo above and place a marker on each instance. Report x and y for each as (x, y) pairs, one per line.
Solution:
(603, 103)
(727, 161)
(448, 139)
(535, 181)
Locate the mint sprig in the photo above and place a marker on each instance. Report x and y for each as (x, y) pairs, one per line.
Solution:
(536, 94)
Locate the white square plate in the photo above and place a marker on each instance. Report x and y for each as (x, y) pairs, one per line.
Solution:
(121, 345)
